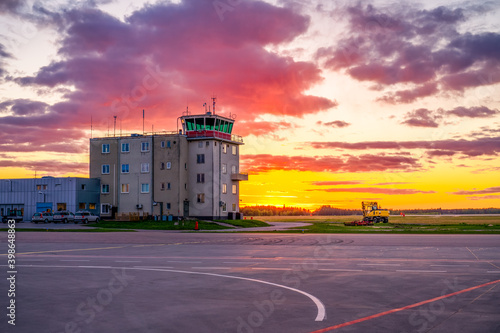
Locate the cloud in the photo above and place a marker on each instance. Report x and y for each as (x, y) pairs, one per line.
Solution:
(167, 55)
(259, 128)
(489, 146)
(375, 190)
(489, 190)
(335, 124)
(473, 112)
(335, 183)
(411, 53)
(421, 118)
(3, 55)
(48, 166)
(24, 107)
(348, 163)
(486, 197)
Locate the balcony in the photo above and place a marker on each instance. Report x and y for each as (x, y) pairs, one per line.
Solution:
(239, 176)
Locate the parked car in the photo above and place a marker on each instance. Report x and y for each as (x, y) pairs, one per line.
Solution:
(63, 216)
(85, 217)
(16, 215)
(44, 217)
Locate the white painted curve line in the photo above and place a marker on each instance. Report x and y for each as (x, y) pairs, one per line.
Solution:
(73, 260)
(185, 262)
(271, 269)
(161, 267)
(494, 272)
(208, 267)
(319, 305)
(418, 271)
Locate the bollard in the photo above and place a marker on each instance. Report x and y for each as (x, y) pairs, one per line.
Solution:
(196, 226)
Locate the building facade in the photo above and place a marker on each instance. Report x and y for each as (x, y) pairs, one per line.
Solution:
(190, 173)
(48, 194)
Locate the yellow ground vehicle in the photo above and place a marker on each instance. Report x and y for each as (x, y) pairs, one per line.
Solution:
(373, 213)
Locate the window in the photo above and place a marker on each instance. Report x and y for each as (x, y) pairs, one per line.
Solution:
(61, 206)
(185, 186)
(233, 169)
(162, 166)
(200, 158)
(125, 188)
(82, 205)
(163, 144)
(168, 186)
(234, 188)
(144, 188)
(185, 166)
(169, 165)
(84, 187)
(224, 148)
(200, 144)
(224, 168)
(224, 188)
(200, 198)
(200, 178)
(105, 188)
(144, 167)
(125, 147)
(125, 168)
(162, 186)
(105, 169)
(145, 146)
(169, 206)
(234, 207)
(169, 144)
(105, 148)
(224, 209)
(234, 149)
(104, 208)
(41, 187)
(91, 205)
(207, 143)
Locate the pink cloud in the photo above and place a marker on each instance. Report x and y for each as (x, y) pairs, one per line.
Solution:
(166, 56)
(375, 190)
(421, 50)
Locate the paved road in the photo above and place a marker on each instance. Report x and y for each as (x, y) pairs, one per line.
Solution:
(192, 282)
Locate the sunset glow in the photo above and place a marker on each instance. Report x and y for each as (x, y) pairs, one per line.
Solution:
(337, 101)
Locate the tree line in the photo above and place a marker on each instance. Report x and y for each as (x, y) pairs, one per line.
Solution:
(329, 210)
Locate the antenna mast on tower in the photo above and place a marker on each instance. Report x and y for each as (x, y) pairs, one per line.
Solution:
(213, 100)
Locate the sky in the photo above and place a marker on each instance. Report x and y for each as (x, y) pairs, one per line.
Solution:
(337, 101)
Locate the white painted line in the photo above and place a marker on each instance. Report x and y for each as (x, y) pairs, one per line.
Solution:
(321, 315)
(211, 267)
(340, 270)
(127, 261)
(185, 262)
(168, 267)
(379, 264)
(307, 262)
(73, 260)
(272, 269)
(493, 271)
(31, 259)
(450, 265)
(418, 271)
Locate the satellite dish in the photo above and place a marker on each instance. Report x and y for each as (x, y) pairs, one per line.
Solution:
(233, 116)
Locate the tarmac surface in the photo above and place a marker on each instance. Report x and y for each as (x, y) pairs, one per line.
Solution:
(158, 281)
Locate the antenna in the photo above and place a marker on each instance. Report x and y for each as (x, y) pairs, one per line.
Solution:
(91, 126)
(213, 100)
(205, 105)
(142, 121)
(114, 126)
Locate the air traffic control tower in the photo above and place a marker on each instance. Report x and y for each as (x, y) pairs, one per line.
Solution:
(213, 161)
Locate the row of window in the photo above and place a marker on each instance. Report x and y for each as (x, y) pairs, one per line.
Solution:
(225, 146)
(105, 168)
(105, 208)
(126, 147)
(125, 188)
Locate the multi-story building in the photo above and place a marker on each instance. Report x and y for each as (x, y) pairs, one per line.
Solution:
(190, 173)
(28, 196)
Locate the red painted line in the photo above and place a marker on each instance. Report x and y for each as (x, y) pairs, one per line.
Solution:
(331, 328)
